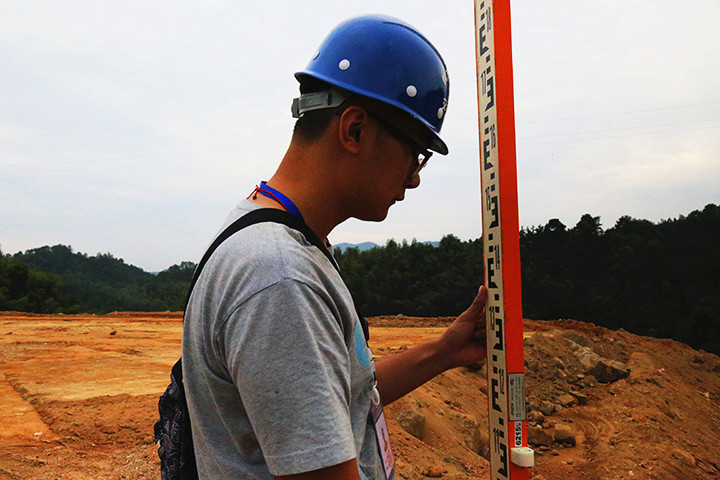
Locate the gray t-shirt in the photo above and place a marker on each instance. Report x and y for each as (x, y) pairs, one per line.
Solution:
(278, 376)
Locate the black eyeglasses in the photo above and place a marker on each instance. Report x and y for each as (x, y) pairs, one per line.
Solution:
(421, 155)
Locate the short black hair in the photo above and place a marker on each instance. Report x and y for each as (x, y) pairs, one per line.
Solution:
(311, 125)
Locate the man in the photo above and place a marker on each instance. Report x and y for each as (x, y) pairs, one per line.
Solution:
(279, 379)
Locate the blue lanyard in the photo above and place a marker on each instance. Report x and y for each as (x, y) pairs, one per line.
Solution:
(268, 191)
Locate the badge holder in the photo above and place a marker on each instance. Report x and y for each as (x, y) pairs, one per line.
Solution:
(381, 433)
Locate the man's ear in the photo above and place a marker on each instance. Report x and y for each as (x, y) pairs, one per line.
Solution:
(352, 121)
(355, 133)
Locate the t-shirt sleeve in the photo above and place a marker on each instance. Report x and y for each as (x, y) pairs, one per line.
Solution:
(285, 350)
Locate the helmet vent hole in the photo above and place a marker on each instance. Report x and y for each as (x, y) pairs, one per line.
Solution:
(344, 64)
(411, 91)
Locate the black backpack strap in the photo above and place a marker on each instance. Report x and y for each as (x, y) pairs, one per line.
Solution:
(269, 215)
(259, 216)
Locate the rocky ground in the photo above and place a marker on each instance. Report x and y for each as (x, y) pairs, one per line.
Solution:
(78, 397)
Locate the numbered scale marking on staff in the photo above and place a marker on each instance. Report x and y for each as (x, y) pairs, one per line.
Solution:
(510, 456)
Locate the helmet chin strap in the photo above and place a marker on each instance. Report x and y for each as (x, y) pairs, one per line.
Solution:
(308, 102)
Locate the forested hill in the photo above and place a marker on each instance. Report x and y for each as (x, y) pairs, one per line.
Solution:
(653, 279)
(89, 284)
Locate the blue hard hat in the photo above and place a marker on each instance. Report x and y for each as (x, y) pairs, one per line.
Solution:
(388, 60)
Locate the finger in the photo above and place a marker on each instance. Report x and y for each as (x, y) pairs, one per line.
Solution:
(479, 301)
(482, 294)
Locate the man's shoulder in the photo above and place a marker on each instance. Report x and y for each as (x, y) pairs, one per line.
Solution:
(268, 246)
(258, 257)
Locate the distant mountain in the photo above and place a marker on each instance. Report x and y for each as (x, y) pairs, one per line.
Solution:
(369, 245)
(360, 246)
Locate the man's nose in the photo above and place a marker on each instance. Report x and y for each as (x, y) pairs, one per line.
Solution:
(413, 181)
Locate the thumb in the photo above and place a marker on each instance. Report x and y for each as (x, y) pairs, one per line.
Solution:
(479, 302)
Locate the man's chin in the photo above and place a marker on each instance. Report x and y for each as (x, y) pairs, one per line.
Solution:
(378, 216)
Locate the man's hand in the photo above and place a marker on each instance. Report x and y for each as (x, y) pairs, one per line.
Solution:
(464, 341)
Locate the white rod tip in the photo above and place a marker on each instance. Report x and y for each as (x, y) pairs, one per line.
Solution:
(522, 456)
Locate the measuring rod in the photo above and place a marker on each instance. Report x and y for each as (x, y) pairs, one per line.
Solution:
(510, 457)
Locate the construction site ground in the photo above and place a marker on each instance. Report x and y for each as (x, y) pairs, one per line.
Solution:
(78, 399)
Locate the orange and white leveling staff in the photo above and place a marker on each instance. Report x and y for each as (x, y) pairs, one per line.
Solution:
(510, 457)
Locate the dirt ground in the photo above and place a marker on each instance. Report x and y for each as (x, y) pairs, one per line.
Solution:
(78, 398)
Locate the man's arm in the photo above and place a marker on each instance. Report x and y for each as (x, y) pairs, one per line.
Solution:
(463, 343)
(344, 471)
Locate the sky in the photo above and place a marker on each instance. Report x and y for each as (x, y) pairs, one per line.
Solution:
(134, 127)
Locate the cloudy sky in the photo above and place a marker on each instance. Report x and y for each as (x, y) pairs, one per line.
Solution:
(134, 127)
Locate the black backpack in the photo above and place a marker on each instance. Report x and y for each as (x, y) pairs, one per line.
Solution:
(173, 432)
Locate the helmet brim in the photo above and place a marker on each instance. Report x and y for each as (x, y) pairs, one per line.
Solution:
(436, 143)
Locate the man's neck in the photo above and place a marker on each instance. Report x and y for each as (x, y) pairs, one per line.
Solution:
(314, 206)
(314, 176)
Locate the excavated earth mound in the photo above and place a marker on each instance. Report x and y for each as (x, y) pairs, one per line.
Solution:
(78, 398)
